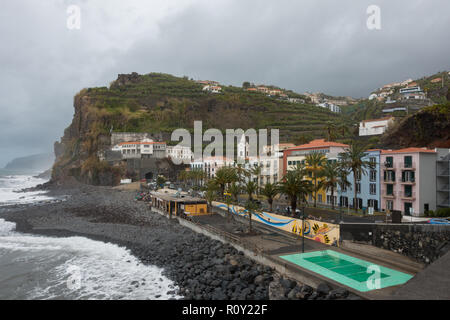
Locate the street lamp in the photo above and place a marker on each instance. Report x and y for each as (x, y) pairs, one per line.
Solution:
(303, 228)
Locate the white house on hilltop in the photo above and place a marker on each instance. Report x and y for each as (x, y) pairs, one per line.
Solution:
(374, 126)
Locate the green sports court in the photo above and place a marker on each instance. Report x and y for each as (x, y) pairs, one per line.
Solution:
(349, 271)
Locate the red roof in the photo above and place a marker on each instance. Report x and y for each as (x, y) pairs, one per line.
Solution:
(140, 142)
(319, 143)
(381, 119)
(408, 150)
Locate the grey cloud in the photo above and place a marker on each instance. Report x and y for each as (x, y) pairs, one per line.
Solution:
(300, 45)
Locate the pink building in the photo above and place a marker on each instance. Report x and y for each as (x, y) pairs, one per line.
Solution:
(408, 179)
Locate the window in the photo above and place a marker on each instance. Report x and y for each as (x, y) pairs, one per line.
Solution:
(408, 191)
(373, 188)
(358, 187)
(389, 176)
(320, 198)
(390, 189)
(408, 161)
(373, 175)
(389, 162)
(389, 205)
(373, 160)
(358, 175)
(408, 176)
(373, 203)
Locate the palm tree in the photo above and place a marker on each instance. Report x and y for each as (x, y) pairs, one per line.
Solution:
(224, 176)
(330, 130)
(352, 160)
(295, 188)
(343, 129)
(256, 171)
(198, 175)
(211, 192)
(241, 172)
(270, 190)
(234, 189)
(343, 178)
(251, 207)
(315, 162)
(330, 176)
(250, 188)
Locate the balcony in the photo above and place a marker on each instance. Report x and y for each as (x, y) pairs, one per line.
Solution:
(389, 196)
(408, 195)
(407, 166)
(410, 181)
(388, 166)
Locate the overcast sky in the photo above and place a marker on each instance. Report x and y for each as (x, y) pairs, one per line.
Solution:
(303, 45)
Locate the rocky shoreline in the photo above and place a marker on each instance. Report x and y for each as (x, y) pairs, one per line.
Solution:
(202, 268)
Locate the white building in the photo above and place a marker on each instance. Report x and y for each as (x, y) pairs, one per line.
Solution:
(330, 106)
(214, 163)
(407, 90)
(179, 152)
(140, 149)
(374, 126)
(212, 89)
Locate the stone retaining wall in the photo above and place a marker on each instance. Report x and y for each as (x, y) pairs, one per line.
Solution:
(422, 242)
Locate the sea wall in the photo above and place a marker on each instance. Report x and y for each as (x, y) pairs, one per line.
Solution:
(422, 242)
(324, 232)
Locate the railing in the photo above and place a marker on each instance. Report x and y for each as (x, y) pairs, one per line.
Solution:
(386, 195)
(408, 195)
(410, 166)
(410, 180)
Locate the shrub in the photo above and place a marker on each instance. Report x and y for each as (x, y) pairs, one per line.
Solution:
(442, 212)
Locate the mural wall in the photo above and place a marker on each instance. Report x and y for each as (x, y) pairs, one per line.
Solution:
(316, 230)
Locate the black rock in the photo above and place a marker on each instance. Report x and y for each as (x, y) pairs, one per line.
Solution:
(323, 289)
(339, 293)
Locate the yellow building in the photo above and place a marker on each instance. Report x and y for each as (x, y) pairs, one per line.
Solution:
(296, 155)
(169, 203)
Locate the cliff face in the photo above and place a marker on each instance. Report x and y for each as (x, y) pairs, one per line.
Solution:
(38, 162)
(429, 127)
(76, 153)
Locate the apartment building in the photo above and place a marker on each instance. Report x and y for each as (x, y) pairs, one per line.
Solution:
(408, 180)
(443, 178)
(293, 156)
(368, 186)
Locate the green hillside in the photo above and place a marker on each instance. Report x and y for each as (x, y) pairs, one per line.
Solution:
(161, 103)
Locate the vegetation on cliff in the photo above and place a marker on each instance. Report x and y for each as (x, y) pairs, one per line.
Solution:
(430, 127)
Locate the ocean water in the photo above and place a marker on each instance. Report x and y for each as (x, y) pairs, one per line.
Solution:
(38, 267)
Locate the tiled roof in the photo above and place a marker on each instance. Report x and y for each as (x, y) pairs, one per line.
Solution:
(140, 142)
(319, 143)
(408, 150)
(374, 120)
